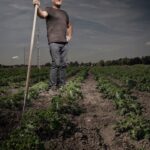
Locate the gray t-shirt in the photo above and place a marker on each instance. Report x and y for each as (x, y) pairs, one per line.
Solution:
(57, 22)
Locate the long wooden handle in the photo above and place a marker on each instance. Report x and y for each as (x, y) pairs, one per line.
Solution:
(30, 58)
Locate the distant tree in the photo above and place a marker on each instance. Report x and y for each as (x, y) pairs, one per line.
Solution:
(125, 61)
(81, 64)
(93, 64)
(76, 63)
(73, 63)
(88, 64)
(108, 63)
(101, 63)
(115, 62)
(145, 60)
(47, 64)
(137, 60)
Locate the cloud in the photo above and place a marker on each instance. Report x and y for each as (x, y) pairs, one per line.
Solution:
(147, 43)
(101, 28)
(15, 57)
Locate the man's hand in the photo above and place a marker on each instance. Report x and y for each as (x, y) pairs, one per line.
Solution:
(68, 38)
(69, 33)
(36, 2)
(41, 13)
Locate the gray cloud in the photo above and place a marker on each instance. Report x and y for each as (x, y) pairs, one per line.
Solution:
(103, 29)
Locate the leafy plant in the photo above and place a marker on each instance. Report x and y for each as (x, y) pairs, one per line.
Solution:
(137, 127)
(134, 123)
(40, 125)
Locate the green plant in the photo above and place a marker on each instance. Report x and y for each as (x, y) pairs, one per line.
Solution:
(137, 127)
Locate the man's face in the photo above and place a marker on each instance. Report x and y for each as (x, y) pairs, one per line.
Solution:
(57, 2)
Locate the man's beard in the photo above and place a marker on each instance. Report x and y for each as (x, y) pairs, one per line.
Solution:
(58, 6)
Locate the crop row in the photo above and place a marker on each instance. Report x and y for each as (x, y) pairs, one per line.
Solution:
(8, 78)
(16, 101)
(17, 75)
(127, 106)
(10, 100)
(137, 76)
(38, 126)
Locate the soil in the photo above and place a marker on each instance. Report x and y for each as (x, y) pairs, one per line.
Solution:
(142, 97)
(94, 128)
(44, 100)
(9, 120)
(144, 100)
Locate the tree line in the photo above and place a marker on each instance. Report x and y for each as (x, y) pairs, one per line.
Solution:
(121, 61)
(126, 61)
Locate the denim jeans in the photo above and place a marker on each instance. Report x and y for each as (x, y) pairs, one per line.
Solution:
(58, 52)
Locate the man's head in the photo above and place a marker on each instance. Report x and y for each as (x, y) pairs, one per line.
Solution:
(57, 3)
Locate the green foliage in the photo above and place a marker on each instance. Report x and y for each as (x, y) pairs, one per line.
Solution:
(12, 102)
(82, 75)
(21, 139)
(36, 126)
(57, 103)
(71, 91)
(16, 76)
(137, 127)
(36, 89)
(134, 123)
(123, 102)
(128, 106)
(16, 101)
(71, 71)
(137, 76)
(131, 83)
(41, 125)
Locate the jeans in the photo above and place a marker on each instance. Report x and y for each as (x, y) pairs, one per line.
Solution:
(58, 52)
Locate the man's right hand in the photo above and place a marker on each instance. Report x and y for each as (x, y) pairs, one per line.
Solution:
(41, 13)
(36, 2)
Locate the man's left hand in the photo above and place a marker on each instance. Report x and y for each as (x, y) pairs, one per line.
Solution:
(68, 38)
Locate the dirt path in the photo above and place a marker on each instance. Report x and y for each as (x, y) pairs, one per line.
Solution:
(94, 129)
(95, 126)
(44, 100)
(97, 122)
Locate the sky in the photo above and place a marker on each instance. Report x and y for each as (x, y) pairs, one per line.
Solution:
(102, 30)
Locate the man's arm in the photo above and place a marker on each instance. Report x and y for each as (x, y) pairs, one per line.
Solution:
(41, 13)
(69, 32)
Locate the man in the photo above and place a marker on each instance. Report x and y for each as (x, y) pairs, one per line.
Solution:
(59, 33)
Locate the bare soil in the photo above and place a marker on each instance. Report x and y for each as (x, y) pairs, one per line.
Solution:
(94, 128)
(44, 100)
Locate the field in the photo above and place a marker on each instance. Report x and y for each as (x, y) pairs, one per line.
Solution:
(100, 108)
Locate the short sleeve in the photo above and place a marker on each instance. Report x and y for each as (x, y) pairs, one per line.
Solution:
(48, 10)
(67, 19)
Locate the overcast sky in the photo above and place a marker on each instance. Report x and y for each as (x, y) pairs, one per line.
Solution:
(103, 29)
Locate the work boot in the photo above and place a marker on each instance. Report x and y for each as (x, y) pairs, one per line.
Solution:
(52, 87)
(53, 90)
